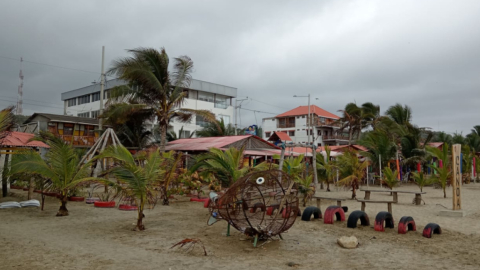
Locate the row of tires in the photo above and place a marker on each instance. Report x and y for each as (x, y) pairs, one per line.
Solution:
(382, 220)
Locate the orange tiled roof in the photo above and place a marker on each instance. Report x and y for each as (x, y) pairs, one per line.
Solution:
(303, 110)
(281, 135)
(21, 139)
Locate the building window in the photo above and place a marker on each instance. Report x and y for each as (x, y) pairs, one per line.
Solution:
(268, 134)
(185, 134)
(95, 96)
(205, 96)
(303, 116)
(221, 102)
(85, 115)
(273, 119)
(72, 102)
(106, 94)
(95, 114)
(200, 121)
(291, 133)
(226, 119)
(89, 131)
(83, 99)
(68, 129)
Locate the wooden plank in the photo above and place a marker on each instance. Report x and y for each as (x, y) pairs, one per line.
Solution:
(370, 201)
(328, 198)
(457, 177)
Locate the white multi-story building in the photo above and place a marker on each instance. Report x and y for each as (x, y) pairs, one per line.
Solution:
(324, 127)
(85, 102)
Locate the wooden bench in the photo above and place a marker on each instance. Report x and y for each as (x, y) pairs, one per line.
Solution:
(319, 198)
(418, 194)
(389, 203)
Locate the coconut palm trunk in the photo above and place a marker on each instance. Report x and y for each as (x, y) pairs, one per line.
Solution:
(63, 211)
(140, 226)
(163, 139)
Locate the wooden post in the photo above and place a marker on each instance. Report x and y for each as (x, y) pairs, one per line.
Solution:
(457, 177)
(390, 208)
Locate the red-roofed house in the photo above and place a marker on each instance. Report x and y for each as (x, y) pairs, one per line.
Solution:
(293, 122)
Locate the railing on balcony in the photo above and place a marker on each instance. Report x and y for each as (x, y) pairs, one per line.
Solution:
(79, 140)
(335, 137)
(327, 123)
(286, 125)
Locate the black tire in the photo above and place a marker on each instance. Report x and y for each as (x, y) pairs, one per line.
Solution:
(407, 220)
(354, 216)
(430, 229)
(384, 217)
(309, 211)
(345, 209)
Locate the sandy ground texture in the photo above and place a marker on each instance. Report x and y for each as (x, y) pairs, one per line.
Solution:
(92, 238)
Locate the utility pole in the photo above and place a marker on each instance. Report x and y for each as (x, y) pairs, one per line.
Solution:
(309, 121)
(20, 91)
(102, 86)
(238, 106)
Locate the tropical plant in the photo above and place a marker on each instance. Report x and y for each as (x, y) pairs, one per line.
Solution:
(458, 138)
(442, 177)
(443, 137)
(216, 129)
(293, 166)
(137, 177)
(350, 120)
(226, 166)
(381, 148)
(402, 115)
(390, 178)
(326, 167)
(352, 170)
(421, 180)
(153, 88)
(7, 120)
(61, 166)
(305, 187)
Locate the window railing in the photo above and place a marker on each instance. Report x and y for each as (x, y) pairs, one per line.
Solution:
(285, 125)
(79, 140)
(334, 137)
(221, 105)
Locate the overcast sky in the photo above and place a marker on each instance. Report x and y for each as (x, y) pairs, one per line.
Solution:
(422, 53)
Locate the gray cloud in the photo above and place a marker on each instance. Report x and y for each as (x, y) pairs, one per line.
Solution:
(421, 53)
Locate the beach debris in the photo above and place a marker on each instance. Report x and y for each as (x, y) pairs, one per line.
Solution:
(261, 204)
(348, 242)
(293, 264)
(189, 244)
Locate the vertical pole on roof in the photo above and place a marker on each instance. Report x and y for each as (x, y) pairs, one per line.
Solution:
(102, 86)
(367, 171)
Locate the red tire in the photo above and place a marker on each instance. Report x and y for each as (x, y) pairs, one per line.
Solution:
(406, 224)
(126, 207)
(271, 209)
(381, 219)
(333, 211)
(431, 228)
(76, 199)
(104, 204)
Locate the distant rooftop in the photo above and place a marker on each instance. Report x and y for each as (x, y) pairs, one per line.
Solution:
(303, 110)
(194, 85)
(64, 119)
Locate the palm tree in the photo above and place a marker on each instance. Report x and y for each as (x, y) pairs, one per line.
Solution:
(381, 148)
(226, 166)
(443, 137)
(7, 120)
(216, 129)
(61, 166)
(153, 88)
(402, 115)
(458, 138)
(137, 177)
(293, 166)
(352, 170)
(421, 180)
(371, 114)
(476, 130)
(305, 187)
(390, 178)
(442, 174)
(349, 120)
(326, 167)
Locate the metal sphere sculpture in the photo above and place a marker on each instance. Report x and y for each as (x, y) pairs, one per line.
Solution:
(260, 204)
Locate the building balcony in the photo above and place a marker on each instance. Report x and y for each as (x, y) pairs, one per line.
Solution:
(286, 125)
(335, 137)
(79, 140)
(332, 124)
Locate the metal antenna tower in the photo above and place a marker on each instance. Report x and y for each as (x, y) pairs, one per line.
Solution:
(20, 90)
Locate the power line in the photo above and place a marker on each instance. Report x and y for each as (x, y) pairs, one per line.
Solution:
(269, 104)
(55, 66)
(258, 111)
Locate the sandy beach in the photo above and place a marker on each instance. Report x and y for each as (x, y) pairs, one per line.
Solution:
(92, 238)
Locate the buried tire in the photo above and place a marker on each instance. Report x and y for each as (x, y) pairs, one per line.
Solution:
(406, 224)
(76, 199)
(104, 204)
(126, 207)
(309, 211)
(355, 216)
(431, 228)
(333, 211)
(383, 218)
